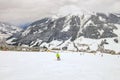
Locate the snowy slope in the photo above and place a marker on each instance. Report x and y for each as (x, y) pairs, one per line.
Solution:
(73, 66)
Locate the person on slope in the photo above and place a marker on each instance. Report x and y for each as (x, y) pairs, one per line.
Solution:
(58, 56)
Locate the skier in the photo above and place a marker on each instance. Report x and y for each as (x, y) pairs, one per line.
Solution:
(58, 56)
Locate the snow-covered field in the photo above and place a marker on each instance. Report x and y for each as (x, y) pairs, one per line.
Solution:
(44, 66)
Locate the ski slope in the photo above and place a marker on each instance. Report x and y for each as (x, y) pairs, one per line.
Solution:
(44, 66)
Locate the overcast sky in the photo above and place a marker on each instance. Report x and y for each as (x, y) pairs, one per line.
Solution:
(23, 11)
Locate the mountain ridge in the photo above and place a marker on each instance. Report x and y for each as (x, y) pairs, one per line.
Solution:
(58, 31)
(7, 29)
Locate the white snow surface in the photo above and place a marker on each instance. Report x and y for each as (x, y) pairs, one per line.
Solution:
(92, 43)
(112, 45)
(10, 41)
(44, 66)
(118, 29)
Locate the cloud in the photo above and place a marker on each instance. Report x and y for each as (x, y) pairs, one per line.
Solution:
(23, 11)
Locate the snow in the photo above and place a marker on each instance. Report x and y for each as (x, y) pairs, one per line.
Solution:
(26, 32)
(9, 29)
(4, 36)
(118, 29)
(10, 41)
(102, 19)
(44, 66)
(66, 28)
(23, 45)
(35, 43)
(92, 43)
(101, 31)
(112, 45)
(69, 45)
(88, 23)
(84, 43)
(44, 44)
(54, 44)
(67, 24)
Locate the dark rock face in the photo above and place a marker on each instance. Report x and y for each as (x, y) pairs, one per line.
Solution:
(91, 32)
(97, 25)
(68, 27)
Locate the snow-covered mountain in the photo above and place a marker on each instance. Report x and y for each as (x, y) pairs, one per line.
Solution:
(7, 30)
(73, 31)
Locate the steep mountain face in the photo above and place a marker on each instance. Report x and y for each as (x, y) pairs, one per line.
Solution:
(8, 30)
(67, 29)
